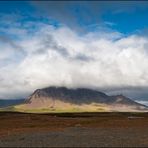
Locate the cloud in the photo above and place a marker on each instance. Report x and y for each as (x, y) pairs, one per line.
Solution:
(79, 14)
(104, 60)
(143, 102)
(9, 51)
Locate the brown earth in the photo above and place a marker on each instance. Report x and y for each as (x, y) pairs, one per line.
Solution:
(80, 129)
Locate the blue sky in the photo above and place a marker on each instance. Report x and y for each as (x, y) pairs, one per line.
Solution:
(92, 44)
(126, 17)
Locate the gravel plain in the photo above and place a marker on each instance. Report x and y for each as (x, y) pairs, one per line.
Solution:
(100, 131)
(80, 137)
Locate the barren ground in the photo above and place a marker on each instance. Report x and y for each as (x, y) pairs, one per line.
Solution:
(74, 129)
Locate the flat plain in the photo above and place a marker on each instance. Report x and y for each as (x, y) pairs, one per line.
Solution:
(104, 129)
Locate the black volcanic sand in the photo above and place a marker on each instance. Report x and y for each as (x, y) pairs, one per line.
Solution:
(74, 130)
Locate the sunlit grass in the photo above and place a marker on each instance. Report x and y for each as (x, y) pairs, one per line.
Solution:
(71, 109)
(21, 108)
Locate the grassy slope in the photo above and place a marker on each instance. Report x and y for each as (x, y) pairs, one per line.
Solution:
(69, 109)
(20, 108)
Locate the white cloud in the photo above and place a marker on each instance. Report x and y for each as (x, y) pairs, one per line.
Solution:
(61, 57)
(143, 102)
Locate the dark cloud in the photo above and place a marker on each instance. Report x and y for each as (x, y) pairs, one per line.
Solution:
(83, 57)
(7, 40)
(136, 93)
(79, 14)
(72, 14)
(48, 42)
(18, 52)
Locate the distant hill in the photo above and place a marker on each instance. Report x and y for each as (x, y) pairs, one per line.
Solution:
(81, 99)
(6, 103)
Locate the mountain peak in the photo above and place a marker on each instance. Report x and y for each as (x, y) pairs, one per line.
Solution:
(62, 98)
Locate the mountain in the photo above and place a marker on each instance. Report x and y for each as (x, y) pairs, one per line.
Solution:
(81, 99)
(6, 103)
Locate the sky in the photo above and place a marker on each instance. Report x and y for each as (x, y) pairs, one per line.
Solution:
(101, 45)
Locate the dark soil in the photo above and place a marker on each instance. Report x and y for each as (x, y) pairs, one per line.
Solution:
(74, 130)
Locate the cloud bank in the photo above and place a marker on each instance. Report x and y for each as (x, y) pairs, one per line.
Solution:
(58, 56)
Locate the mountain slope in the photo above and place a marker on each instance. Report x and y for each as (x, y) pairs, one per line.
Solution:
(81, 99)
